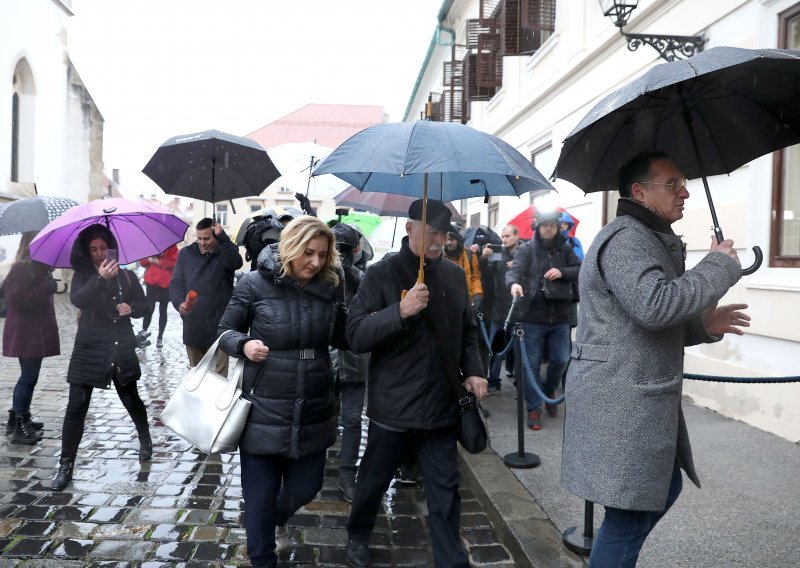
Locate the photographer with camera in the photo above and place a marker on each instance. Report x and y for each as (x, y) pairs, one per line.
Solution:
(350, 368)
(542, 273)
(495, 262)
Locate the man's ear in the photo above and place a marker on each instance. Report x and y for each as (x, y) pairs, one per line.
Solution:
(409, 224)
(637, 192)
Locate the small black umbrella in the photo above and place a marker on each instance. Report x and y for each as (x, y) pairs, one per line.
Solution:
(712, 112)
(32, 213)
(211, 166)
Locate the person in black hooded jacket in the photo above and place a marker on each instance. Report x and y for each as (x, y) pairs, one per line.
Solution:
(417, 342)
(105, 346)
(283, 317)
(546, 258)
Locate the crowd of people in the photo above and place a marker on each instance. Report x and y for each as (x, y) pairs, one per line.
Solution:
(320, 332)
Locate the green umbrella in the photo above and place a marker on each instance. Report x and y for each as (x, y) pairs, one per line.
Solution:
(366, 222)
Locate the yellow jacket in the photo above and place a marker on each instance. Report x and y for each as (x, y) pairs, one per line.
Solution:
(469, 262)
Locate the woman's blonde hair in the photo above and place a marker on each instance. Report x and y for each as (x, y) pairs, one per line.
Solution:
(23, 252)
(294, 242)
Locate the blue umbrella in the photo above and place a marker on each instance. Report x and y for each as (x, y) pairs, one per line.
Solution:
(458, 161)
(438, 160)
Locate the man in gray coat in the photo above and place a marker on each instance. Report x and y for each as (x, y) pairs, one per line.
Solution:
(625, 439)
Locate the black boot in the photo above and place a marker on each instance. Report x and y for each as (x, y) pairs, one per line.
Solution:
(64, 475)
(24, 432)
(145, 446)
(10, 424)
(358, 554)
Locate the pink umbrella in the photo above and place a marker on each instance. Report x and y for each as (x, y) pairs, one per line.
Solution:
(141, 228)
(383, 204)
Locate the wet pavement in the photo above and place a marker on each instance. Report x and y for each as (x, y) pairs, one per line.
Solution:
(184, 508)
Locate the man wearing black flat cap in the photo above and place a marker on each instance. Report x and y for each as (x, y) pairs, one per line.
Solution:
(417, 342)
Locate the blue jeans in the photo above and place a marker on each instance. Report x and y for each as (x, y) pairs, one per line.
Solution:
(23, 391)
(541, 338)
(622, 534)
(274, 488)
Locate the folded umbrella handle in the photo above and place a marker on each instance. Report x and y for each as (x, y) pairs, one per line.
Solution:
(756, 264)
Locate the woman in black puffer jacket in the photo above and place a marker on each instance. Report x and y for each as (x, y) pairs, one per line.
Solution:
(104, 352)
(283, 317)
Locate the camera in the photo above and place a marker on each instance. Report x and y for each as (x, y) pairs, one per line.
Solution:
(112, 254)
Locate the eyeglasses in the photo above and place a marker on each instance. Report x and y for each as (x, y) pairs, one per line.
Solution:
(674, 186)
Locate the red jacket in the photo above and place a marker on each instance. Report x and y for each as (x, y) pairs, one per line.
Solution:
(159, 275)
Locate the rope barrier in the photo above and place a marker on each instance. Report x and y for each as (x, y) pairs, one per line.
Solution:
(741, 380)
(488, 342)
(529, 372)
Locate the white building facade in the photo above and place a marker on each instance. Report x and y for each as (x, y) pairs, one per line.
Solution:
(532, 82)
(52, 132)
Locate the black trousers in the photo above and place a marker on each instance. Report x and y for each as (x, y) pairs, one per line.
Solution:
(274, 488)
(78, 405)
(438, 460)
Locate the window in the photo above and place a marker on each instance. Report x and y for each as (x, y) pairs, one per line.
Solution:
(22, 123)
(475, 220)
(785, 237)
(543, 160)
(284, 189)
(222, 214)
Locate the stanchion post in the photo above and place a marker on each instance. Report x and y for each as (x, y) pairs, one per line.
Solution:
(520, 459)
(581, 543)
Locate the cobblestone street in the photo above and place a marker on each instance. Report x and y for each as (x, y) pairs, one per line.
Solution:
(183, 508)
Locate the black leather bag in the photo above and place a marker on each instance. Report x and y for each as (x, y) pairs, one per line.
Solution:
(557, 290)
(473, 432)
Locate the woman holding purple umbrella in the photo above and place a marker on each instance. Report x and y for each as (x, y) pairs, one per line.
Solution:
(30, 334)
(104, 352)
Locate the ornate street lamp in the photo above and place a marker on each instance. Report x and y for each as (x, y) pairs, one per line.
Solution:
(669, 47)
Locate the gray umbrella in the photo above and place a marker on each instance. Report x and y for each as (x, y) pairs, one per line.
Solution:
(712, 113)
(32, 213)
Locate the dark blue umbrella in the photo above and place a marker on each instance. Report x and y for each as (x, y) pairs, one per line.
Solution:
(445, 161)
(458, 161)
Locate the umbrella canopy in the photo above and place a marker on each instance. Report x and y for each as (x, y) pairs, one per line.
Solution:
(366, 222)
(481, 234)
(278, 212)
(438, 160)
(383, 204)
(141, 228)
(524, 220)
(211, 166)
(458, 162)
(32, 213)
(727, 104)
(712, 112)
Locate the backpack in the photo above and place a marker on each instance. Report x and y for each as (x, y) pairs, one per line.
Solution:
(259, 234)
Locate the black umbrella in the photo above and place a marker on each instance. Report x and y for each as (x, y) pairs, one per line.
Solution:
(32, 213)
(211, 166)
(712, 112)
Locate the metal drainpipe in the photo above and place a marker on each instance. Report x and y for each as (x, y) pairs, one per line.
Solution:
(435, 41)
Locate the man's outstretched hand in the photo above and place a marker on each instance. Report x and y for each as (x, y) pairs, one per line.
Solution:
(726, 319)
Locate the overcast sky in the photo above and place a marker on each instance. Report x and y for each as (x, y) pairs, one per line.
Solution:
(157, 68)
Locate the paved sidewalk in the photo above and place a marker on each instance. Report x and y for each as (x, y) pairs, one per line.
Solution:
(183, 509)
(746, 514)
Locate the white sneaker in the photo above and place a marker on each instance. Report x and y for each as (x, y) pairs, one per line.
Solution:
(281, 538)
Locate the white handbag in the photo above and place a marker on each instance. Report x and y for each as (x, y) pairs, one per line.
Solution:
(207, 409)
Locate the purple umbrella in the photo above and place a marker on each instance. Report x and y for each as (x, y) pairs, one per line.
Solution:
(383, 204)
(141, 228)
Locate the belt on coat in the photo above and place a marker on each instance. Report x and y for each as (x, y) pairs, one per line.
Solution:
(307, 353)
